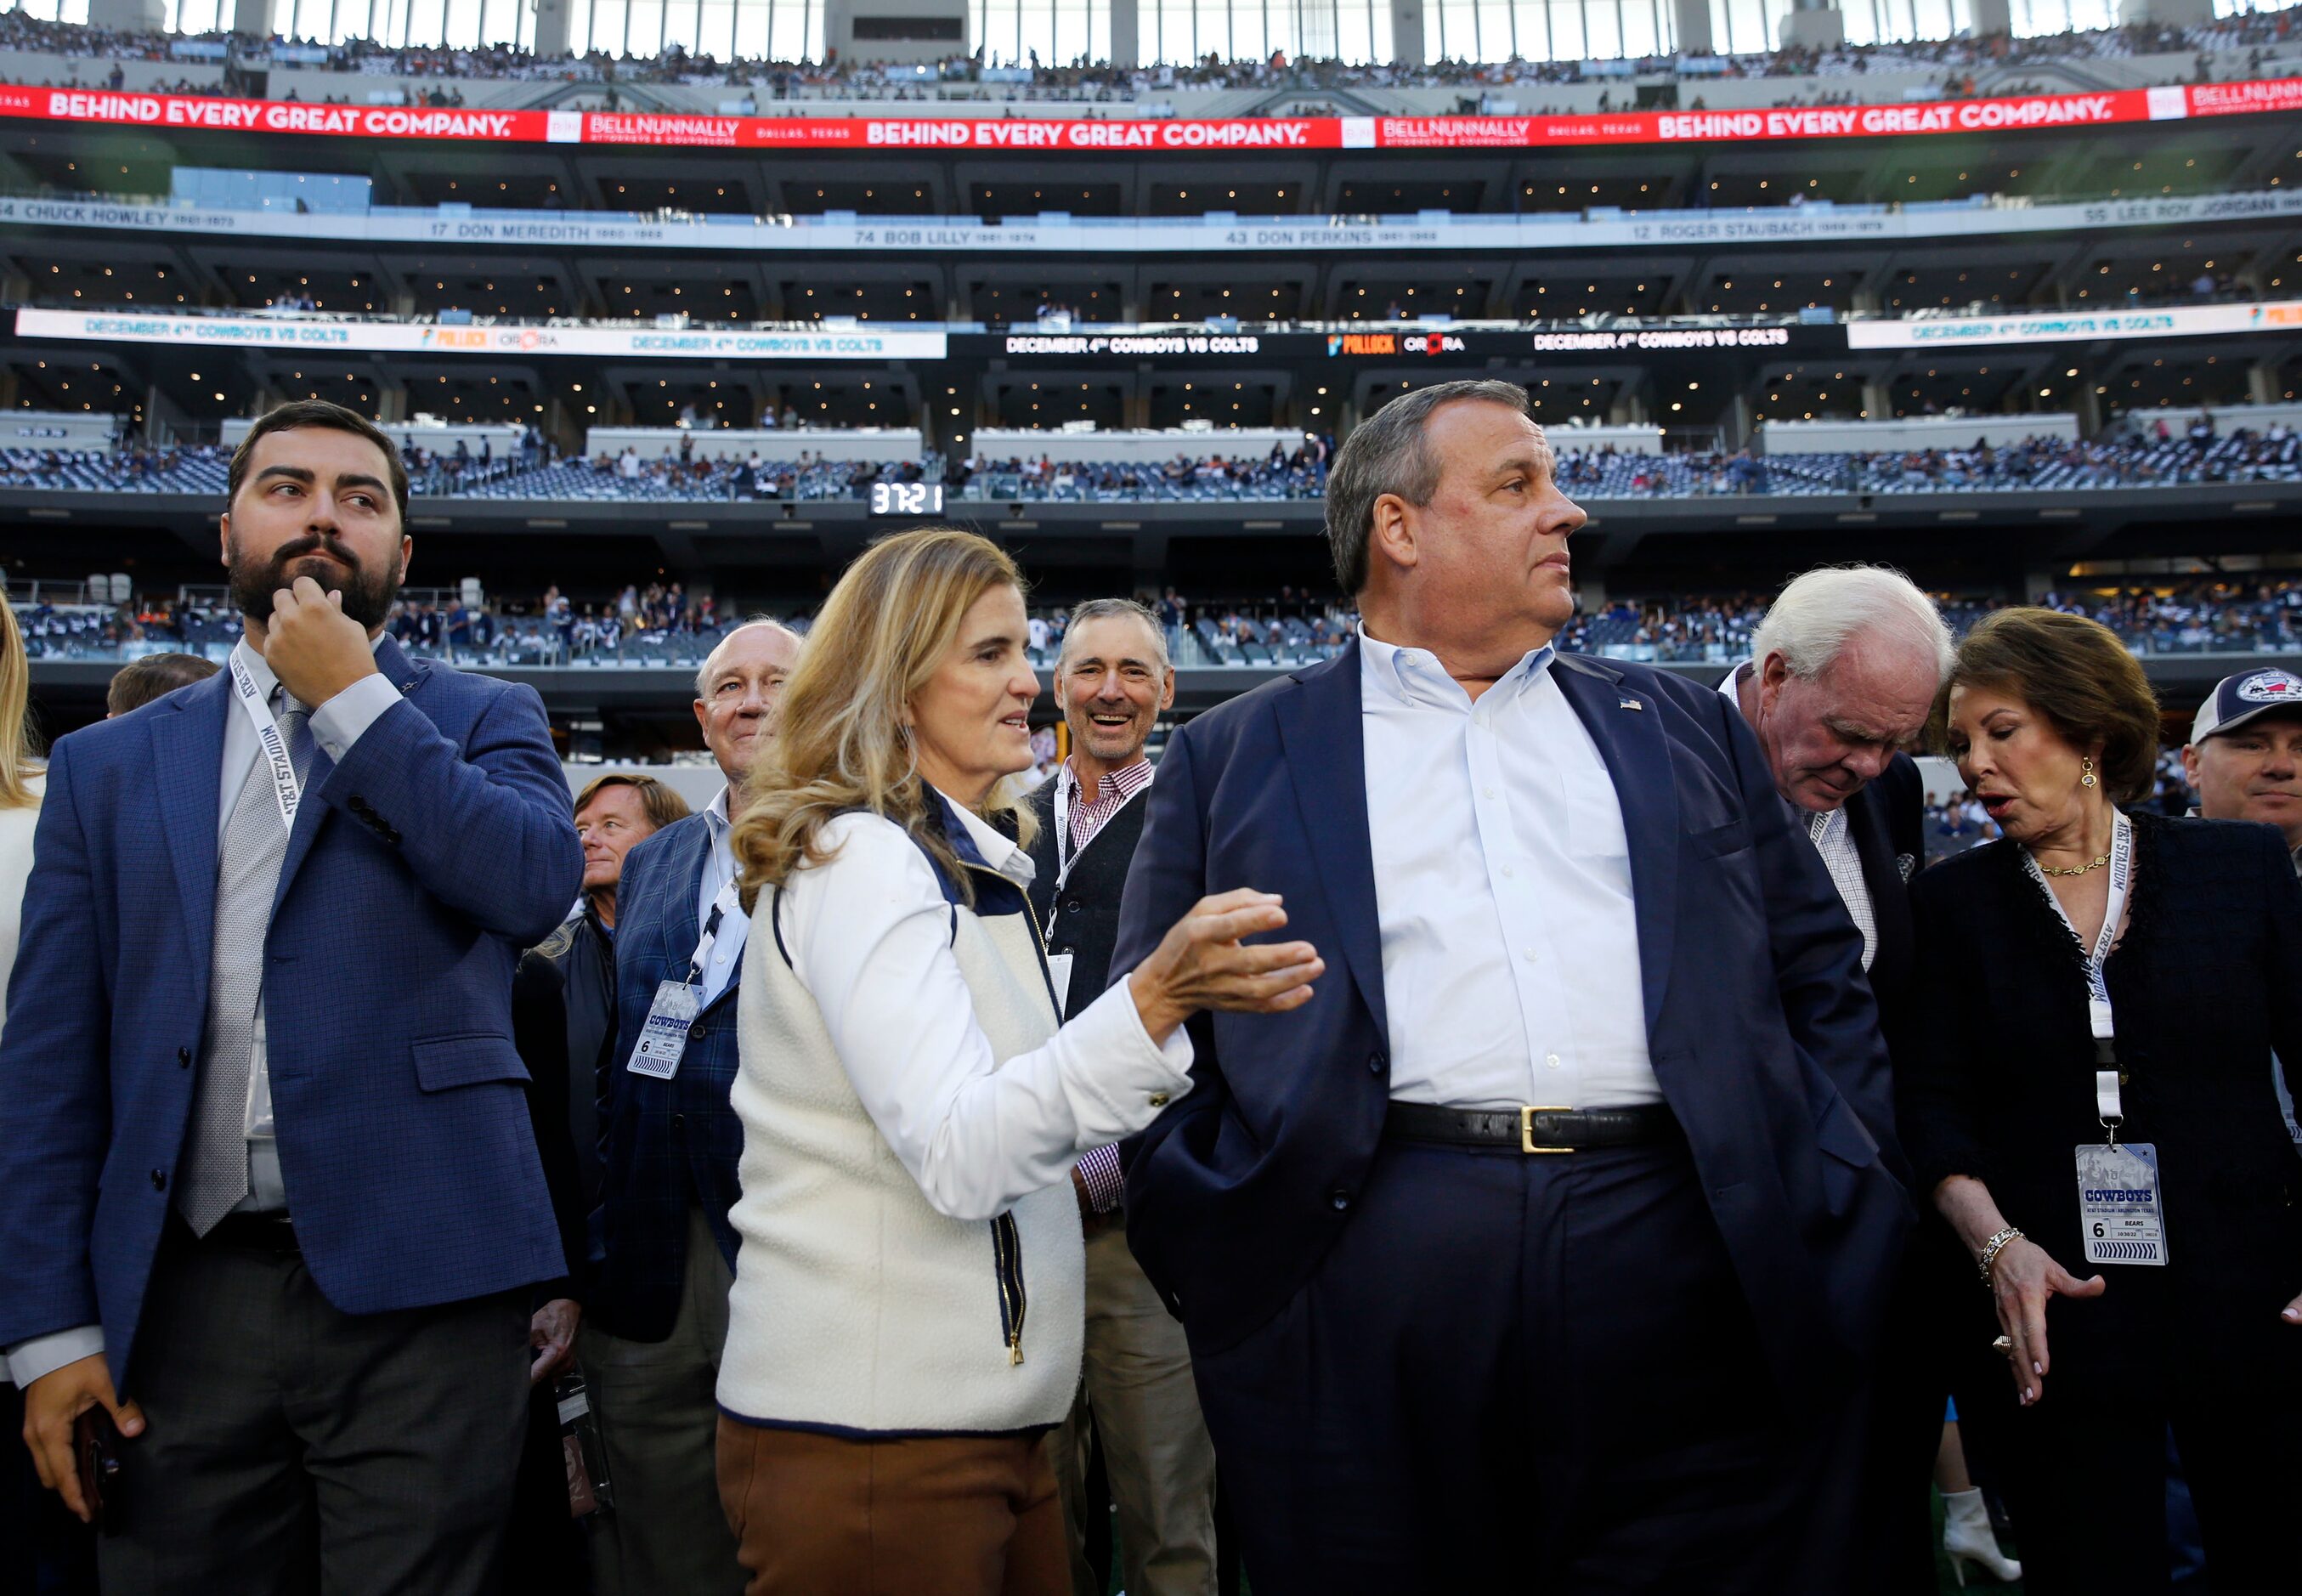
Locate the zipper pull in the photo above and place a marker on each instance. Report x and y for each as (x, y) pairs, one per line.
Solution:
(1015, 1350)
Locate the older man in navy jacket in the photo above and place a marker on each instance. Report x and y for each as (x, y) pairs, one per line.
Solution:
(1545, 1250)
(658, 1317)
(269, 1188)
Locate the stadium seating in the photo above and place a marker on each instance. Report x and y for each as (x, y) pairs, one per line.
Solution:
(2126, 459)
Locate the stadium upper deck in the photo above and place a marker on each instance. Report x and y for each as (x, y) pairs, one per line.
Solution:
(1229, 61)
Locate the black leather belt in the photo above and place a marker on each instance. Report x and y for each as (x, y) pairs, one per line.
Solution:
(253, 1232)
(1531, 1130)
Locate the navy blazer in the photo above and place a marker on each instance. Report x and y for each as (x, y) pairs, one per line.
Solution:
(1886, 820)
(1762, 1031)
(416, 872)
(667, 1144)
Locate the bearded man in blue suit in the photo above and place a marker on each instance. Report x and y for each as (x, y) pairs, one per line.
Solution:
(1545, 1251)
(269, 1187)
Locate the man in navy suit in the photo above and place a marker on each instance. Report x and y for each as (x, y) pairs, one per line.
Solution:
(1545, 1250)
(658, 1318)
(269, 1188)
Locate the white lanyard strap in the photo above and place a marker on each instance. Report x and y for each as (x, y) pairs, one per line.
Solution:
(722, 907)
(271, 743)
(1064, 782)
(2099, 1018)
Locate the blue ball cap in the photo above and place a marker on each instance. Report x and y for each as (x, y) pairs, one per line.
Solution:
(2247, 696)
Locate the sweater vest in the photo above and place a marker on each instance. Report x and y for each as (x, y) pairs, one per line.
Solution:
(857, 1308)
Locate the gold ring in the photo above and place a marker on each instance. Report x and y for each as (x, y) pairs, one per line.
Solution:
(2003, 1344)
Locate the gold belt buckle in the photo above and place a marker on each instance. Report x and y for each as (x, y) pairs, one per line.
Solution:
(1526, 1126)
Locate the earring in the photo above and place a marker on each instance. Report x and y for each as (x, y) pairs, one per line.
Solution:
(2086, 770)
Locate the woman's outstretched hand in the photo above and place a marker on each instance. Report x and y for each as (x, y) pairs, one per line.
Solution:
(1203, 962)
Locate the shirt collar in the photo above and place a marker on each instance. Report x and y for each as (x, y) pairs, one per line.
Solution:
(1126, 779)
(715, 813)
(1413, 676)
(259, 669)
(1730, 685)
(251, 660)
(978, 841)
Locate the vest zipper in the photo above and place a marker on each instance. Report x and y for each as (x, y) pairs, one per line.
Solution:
(1007, 1263)
(1006, 1241)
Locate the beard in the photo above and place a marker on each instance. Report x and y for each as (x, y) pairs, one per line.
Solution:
(367, 593)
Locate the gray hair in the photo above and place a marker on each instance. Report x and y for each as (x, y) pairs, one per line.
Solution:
(703, 671)
(1387, 453)
(1096, 609)
(1813, 619)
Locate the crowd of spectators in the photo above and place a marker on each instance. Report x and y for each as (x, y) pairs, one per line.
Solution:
(1300, 473)
(1080, 79)
(662, 623)
(2158, 455)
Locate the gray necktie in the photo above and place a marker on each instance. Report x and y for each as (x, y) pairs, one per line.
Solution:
(247, 872)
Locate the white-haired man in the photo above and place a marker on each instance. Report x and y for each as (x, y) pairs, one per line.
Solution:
(1841, 677)
(658, 1317)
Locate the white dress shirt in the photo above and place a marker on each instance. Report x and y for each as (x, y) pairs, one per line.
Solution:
(1833, 836)
(335, 725)
(1502, 882)
(735, 926)
(869, 935)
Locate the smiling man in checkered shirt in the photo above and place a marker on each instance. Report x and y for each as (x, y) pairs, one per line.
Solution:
(1843, 675)
(1113, 678)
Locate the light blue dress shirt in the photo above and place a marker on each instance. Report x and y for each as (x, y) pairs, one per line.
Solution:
(735, 926)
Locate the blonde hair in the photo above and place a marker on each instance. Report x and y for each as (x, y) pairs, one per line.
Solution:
(19, 760)
(840, 741)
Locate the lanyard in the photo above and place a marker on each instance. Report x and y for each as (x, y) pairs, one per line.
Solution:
(270, 742)
(1065, 784)
(2099, 1020)
(722, 907)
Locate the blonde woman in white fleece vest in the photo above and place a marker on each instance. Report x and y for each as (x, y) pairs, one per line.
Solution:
(909, 1302)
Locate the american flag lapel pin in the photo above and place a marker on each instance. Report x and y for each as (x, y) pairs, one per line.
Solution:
(1632, 703)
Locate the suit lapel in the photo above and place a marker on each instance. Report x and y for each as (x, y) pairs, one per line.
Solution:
(1631, 742)
(187, 766)
(1326, 743)
(681, 928)
(1866, 820)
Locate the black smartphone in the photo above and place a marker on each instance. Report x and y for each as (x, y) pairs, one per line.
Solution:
(95, 1446)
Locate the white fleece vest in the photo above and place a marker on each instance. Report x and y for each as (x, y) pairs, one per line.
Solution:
(857, 1308)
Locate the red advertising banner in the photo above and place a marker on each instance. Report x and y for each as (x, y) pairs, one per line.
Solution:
(1051, 135)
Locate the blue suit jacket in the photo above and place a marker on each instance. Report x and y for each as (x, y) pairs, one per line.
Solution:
(416, 871)
(1761, 1025)
(667, 1143)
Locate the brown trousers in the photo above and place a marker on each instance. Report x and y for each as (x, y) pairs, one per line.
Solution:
(960, 1516)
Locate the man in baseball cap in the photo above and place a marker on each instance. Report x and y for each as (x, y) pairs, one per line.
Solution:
(2244, 757)
(2244, 753)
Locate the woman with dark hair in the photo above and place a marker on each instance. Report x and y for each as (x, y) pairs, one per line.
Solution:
(2090, 1111)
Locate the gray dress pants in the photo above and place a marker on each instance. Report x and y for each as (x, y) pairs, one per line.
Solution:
(292, 1447)
(659, 1416)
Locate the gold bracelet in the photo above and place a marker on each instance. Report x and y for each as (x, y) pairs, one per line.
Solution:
(1993, 1247)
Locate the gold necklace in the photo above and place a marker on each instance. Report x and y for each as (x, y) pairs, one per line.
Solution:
(2095, 863)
